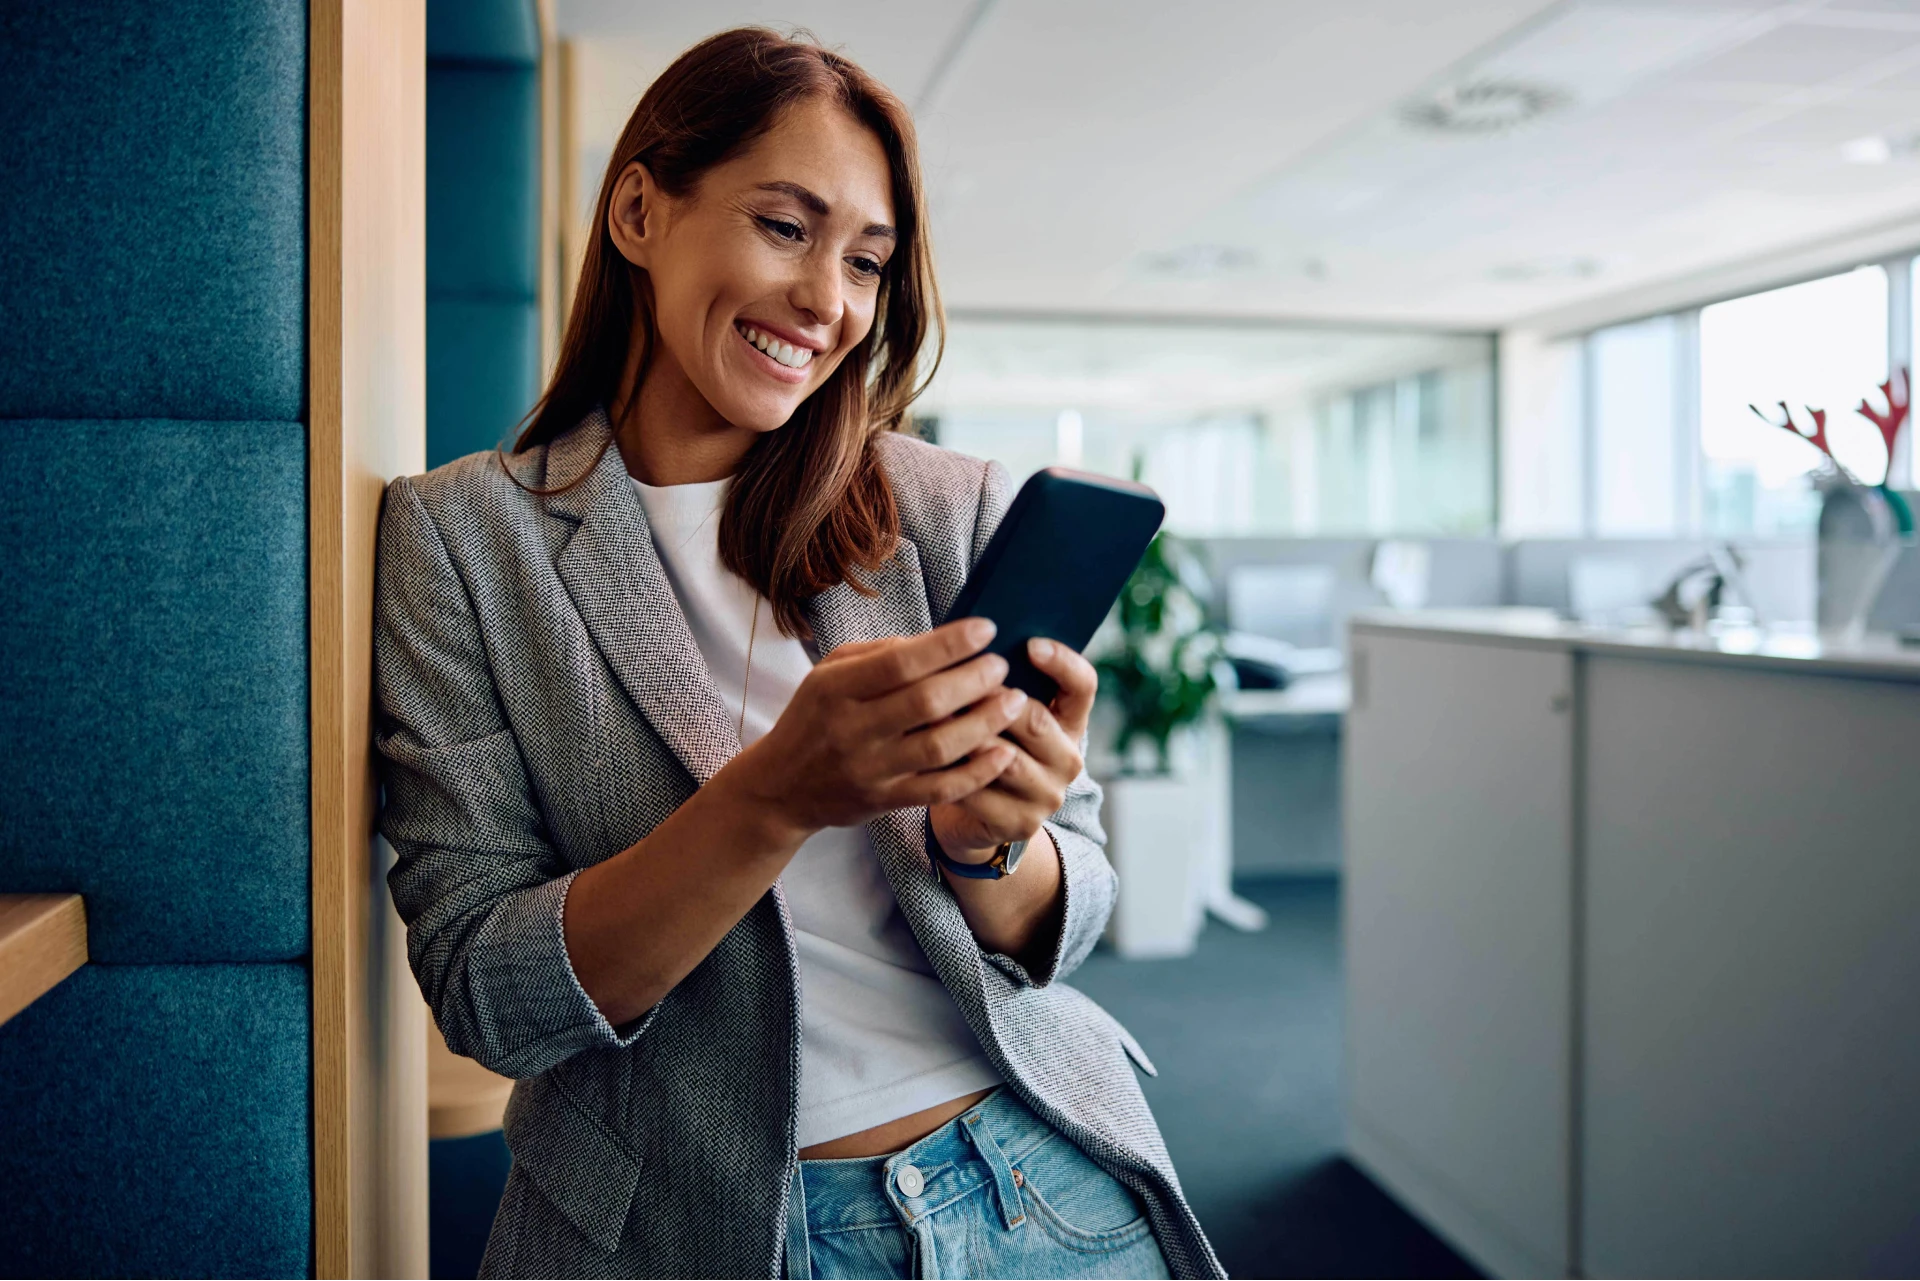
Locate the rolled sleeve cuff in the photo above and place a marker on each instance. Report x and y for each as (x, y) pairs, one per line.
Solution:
(1081, 860)
(531, 987)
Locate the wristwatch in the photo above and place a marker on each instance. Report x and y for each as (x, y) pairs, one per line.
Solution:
(1005, 860)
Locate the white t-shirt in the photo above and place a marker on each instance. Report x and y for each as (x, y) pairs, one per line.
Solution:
(882, 1037)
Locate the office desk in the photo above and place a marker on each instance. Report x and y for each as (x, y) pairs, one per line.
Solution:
(1310, 703)
(1286, 776)
(1633, 946)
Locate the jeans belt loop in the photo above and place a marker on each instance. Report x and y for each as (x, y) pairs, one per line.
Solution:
(1013, 1210)
(799, 1257)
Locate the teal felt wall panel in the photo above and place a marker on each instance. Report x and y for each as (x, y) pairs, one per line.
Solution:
(153, 212)
(483, 31)
(483, 182)
(154, 645)
(154, 1122)
(483, 372)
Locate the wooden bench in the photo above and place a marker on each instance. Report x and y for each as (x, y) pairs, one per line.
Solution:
(43, 938)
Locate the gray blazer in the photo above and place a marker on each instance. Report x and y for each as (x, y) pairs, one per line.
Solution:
(541, 705)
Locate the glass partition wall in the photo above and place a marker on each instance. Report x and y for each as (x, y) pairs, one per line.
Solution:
(1244, 429)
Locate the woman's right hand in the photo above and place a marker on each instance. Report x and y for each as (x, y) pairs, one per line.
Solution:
(885, 725)
(874, 727)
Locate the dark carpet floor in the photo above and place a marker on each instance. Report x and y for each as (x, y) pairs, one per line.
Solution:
(1246, 1034)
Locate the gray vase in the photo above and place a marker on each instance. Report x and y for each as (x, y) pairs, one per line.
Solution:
(1859, 544)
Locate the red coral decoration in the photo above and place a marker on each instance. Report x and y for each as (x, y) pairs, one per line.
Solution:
(1817, 437)
(1895, 417)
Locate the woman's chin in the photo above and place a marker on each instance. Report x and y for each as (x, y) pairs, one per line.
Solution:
(761, 417)
(761, 413)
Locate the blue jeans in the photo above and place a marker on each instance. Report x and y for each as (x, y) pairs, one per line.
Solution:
(996, 1193)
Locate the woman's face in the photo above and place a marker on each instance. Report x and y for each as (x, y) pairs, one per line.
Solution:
(767, 274)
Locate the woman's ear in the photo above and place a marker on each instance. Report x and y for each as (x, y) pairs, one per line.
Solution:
(634, 214)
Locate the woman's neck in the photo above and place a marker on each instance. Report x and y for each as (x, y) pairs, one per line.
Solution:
(667, 431)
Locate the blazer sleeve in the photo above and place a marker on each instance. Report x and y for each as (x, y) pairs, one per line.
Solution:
(1087, 879)
(481, 889)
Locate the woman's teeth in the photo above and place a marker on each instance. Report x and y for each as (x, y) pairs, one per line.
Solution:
(791, 357)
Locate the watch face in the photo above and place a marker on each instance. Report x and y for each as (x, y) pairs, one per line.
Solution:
(1014, 850)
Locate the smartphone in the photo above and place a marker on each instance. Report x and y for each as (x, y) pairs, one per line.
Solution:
(1057, 563)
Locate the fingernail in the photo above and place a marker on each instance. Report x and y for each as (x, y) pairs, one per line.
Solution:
(1013, 700)
(980, 630)
(1041, 650)
(997, 665)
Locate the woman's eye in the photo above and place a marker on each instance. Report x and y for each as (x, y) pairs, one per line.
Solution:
(784, 229)
(869, 267)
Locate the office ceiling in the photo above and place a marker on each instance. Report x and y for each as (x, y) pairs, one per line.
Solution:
(1458, 162)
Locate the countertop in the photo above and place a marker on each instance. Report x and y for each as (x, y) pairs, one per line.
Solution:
(1780, 649)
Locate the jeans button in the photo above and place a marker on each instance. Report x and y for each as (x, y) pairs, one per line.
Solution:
(909, 1180)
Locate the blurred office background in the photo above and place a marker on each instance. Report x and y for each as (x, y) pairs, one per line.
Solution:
(1489, 919)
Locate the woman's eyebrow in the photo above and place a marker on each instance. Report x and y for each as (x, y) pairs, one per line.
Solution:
(820, 207)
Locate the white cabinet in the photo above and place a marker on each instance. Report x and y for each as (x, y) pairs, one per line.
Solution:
(1633, 951)
(1751, 1085)
(1457, 899)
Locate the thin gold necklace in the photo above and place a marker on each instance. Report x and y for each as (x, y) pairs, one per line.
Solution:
(747, 680)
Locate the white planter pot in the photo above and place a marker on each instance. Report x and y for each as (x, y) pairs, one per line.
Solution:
(1156, 841)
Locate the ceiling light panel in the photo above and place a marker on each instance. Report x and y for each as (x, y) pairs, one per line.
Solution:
(1800, 55)
(1593, 51)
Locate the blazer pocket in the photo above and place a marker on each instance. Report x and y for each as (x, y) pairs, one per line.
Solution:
(573, 1158)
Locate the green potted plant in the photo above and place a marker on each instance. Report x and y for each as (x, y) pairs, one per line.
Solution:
(1156, 656)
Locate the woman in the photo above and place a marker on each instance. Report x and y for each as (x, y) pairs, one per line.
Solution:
(760, 884)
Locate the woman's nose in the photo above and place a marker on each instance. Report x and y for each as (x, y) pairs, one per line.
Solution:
(818, 292)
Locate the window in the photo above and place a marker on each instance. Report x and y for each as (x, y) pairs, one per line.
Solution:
(1821, 344)
(1242, 429)
(1640, 446)
(1671, 447)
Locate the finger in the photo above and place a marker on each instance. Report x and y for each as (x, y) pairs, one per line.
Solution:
(1040, 732)
(940, 787)
(1030, 783)
(853, 649)
(1074, 675)
(934, 698)
(1001, 816)
(885, 669)
(940, 745)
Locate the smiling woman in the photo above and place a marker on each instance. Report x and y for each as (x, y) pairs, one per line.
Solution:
(763, 219)
(764, 913)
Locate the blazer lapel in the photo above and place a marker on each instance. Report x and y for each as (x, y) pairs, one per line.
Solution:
(613, 574)
(843, 616)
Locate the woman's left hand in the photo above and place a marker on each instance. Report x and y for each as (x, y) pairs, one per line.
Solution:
(1047, 760)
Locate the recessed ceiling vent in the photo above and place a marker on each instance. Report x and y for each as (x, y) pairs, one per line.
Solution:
(1543, 269)
(1482, 107)
(1200, 262)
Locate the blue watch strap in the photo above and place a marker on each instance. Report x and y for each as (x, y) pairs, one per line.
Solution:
(989, 871)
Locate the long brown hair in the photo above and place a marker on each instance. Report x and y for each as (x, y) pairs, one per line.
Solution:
(810, 504)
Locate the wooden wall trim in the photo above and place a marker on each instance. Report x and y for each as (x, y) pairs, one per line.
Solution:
(366, 424)
(328, 781)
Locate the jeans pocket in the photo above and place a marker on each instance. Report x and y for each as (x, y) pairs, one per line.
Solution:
(1076, 1202)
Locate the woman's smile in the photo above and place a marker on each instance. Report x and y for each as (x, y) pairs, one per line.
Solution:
(780, 356)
